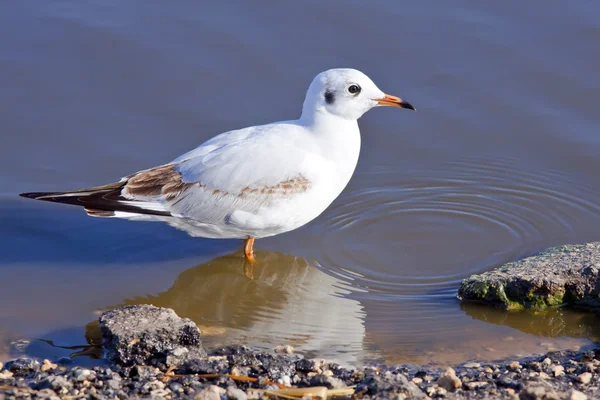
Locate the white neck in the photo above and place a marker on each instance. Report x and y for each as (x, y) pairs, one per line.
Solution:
(321, 121)
(338, 139)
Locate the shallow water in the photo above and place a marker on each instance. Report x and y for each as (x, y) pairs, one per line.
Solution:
(499, 162)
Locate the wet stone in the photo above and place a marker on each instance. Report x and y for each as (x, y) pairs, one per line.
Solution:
(64, 361)
(148, 335)
(22, 366)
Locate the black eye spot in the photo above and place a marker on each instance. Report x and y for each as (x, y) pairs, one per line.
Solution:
(354, 89)
(329, 98)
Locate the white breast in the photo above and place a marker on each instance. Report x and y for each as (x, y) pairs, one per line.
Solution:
(329, 170)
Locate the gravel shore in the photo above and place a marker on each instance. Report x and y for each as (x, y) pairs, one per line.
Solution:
(240, 373)
(150, 352)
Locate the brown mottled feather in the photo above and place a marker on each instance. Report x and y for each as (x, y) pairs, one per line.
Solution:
(159, 181)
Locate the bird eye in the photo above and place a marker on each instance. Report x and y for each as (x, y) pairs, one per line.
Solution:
(354, 89)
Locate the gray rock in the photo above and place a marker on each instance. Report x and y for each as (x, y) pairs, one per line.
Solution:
(389, 385)
(22, 366)
(148, 335)
(560, 275)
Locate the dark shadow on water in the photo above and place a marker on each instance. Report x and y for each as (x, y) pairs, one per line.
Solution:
(553, 323)
(68, 343)
(65, 234)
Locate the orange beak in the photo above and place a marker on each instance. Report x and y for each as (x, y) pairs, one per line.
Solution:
(394, 101)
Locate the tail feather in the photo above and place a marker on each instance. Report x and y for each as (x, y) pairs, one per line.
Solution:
(100, 201)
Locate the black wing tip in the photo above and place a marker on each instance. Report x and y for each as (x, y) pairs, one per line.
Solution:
(46, 196)
(33, 195)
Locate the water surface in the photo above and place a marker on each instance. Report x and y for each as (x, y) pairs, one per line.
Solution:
(500, 161)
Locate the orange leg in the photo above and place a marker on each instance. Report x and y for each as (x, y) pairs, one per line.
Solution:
(250, 260)
(249, 249)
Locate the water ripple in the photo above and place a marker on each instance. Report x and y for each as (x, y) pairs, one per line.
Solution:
(414, 231)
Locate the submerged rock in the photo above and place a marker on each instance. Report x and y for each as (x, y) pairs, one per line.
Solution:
(565, 275)
(149, 335)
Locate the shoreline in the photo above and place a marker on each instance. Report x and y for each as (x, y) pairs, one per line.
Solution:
(238, 372)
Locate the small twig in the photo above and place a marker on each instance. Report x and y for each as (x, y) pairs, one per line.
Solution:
(314, 391)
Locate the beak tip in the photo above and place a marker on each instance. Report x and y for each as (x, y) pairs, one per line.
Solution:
(394, 101)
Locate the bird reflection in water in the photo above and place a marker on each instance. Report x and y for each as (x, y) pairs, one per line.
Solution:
(288, 301)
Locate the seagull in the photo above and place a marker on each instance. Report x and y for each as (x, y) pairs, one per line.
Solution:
(253, 182)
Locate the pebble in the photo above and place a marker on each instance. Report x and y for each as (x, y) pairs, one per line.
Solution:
(515, 365)
(6, 375)
(285, 380)
(305, 365)
(584, 378)
(84, 375)
(589, 367)
(236, 394)
(533, 379)
(448, 380)
(476, 385)
(207, 394)
(47, 366)
(577, 395)
(287, 349)
(558, 370)
(217, 389)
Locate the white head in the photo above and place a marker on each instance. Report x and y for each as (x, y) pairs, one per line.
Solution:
(345, 93)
